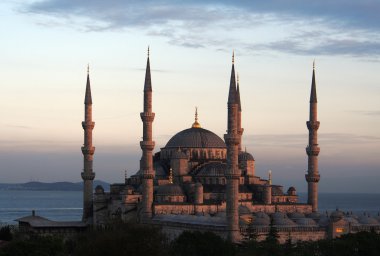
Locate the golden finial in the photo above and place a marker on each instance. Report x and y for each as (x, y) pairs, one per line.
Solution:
(196, 124)
(270, 177)
(170, 176)
(233, 56)
(88, 68)
(148, 51)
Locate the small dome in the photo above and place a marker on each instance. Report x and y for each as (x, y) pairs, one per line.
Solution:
(170, 190)
(296, 215)
(306, 222)
(324, 221)
(195, 138)
(367, 220)
(284, 221)
(292, 189)
(262, 215)
(245, 156)
(279, 215)
(99, 189)
(243, 210)
(337, 214)
(352, 221)
(260, 221)
(314, 215)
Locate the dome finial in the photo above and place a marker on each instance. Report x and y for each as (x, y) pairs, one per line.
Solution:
(148, 51)
(170, 176)
(233, 56)
(88, 68)
(314, 64)
(196, 124)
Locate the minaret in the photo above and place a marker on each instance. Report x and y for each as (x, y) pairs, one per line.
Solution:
(88, 155)
(232, 139)
(240, 129)
(312, 150)
(147, 146)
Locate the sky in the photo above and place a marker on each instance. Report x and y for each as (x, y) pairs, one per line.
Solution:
(46, 46)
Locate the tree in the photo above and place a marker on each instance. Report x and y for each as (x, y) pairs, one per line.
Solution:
(123, 239)
(201, 244)
(5, 233)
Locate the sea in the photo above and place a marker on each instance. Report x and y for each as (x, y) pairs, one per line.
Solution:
(67, 205)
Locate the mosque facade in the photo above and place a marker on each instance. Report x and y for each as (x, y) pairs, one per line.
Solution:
(199, 181)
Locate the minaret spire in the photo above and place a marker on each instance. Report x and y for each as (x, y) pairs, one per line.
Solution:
(312, 150)
(88, 155)
(88, 98)
(232, 139)
(232, 91)
(147, 146)
(240, 129)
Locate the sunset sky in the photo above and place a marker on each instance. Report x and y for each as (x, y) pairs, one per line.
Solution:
(46, 46)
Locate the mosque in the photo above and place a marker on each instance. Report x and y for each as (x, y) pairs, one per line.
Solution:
(200, 181)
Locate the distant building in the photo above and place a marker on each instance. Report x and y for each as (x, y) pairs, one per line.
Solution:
(37, 225)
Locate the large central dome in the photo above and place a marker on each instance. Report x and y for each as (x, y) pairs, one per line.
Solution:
(195, 137)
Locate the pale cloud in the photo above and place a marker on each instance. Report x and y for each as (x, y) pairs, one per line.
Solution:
(345, 28)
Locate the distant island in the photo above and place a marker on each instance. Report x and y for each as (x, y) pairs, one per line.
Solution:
(51, 186)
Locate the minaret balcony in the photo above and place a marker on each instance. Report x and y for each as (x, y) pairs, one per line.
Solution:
(88, 150)
(147, 116)
(312, 125)
(232, 139)
(312, 177)
(312, 150)
(88, 125)
(147, 174)
(88, 176)
(147, 145)
(232, 174)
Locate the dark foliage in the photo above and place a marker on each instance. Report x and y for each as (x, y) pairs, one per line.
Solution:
(201, 244)
(5, 233)
(122, 239)
(35, 246)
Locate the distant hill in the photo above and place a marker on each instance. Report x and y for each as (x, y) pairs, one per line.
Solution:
(53, 186)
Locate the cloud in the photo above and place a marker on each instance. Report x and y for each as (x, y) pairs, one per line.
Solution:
(366, 112)
(18, 126)
(348, 28)
(301, 140)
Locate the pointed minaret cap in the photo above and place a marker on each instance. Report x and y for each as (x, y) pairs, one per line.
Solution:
(313, 93)
(196, 124)
(148, 81)
(88, 98)
(238, 93)
(232, 91)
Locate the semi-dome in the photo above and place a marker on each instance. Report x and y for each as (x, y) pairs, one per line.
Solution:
(195, 137)
(213, 169)
(245, 156)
